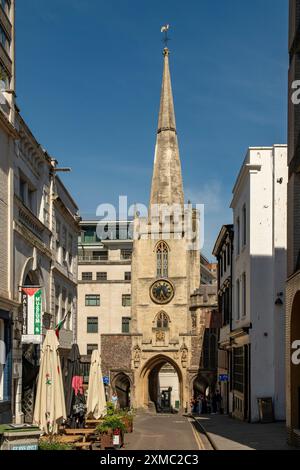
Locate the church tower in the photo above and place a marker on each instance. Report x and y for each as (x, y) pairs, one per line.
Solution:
(166, 329)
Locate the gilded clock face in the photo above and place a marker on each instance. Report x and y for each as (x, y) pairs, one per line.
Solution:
(162, 291)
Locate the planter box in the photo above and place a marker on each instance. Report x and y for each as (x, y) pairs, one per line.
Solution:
(106, 440)
(23, 440)
(128, 425)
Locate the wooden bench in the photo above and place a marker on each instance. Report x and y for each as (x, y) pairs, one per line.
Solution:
(83, 431)
(83, 445)
(69, 439)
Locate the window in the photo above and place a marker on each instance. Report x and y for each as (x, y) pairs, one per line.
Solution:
(57, 241)
(102, 276)
(64, 242)
(126, 254)
(92, 325)
(226, 306)
(5, 79)
(4, 39)
(90, 348)
(228, 254)
(69, 313)
(209, 357)
(127, 276)
(162, 320)
(57, 304)
(70, 250)
(5, 359)
(6, 6)
(92, 300)
(244, 294)
(244, 225)
(238, 369)
(87, 276)
(32, 200)
(225, 260)
(2, 356)
(162, 252)
(125, 325)
(238, 299)
(23, 190)
(89, 234)
(126, 300)
(63, 303)
(238, 236)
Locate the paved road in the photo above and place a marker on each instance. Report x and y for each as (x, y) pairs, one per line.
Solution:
(232, 434)
(162, 432)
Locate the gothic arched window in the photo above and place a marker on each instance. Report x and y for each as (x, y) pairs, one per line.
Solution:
(162, 320)
(162, 252)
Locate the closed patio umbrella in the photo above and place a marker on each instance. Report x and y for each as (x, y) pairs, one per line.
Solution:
(96, 402)
(50, 409)
(73, 370)
(73, 383)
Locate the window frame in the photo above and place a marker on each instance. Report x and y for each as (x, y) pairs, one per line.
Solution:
(127, 323)
(98, 276)
(96, 298)
(92, 323)
(87, 276)
(124, 302)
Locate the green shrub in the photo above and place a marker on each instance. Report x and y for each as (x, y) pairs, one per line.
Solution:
(110, 409)
(53, 444)
(110, 422)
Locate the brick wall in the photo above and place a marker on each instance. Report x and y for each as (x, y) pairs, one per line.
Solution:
(116, 353)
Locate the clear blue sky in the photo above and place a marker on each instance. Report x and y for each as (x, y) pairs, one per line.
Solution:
(88, 84)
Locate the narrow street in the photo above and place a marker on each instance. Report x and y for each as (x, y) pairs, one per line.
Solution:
(163, 432)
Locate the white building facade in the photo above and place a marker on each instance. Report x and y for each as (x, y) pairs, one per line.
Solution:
(104, 283)
(259, 273)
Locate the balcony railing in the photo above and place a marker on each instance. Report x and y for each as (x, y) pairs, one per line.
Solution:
(93, 258)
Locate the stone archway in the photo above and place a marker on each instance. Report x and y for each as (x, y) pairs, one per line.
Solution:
(156, 378)
(122, 385)
(295, 368)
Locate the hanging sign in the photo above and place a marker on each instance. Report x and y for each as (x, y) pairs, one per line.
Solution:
(32, 314)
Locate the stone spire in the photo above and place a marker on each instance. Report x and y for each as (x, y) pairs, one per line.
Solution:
(167, 185)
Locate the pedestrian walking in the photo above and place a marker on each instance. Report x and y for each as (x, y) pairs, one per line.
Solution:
(214, 403)
(218, 401)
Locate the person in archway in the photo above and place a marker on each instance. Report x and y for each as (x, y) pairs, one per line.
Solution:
(204, 405)
(114, 399)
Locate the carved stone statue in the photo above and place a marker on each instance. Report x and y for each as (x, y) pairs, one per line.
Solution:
(160, 336)
(184, 355)
(137, 357)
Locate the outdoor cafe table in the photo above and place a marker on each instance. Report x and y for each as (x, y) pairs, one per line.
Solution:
(85, 432)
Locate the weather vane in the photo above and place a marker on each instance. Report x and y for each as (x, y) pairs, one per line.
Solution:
(165, 30)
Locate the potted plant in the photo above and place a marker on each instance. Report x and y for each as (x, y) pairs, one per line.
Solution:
(111, 424)
(127, 419)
